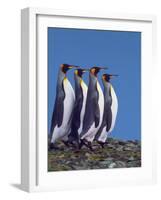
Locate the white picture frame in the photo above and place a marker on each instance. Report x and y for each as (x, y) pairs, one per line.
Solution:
(34, 176)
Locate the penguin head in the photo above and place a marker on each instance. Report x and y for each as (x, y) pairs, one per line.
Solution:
(66, 67)
(79, 72)
(107, 77)
(95, 70)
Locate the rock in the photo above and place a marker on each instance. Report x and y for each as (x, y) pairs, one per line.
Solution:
(115, 142)
(121, 142)
(127, 149)
(131, 145)
(136, 142)
(120, 164)
(75, 167)
(134, 164)
(119, 148)
(110, 146)
(131, 158)
(115, 154)
(106, 162)
(112, 165)
(137, 149)
(87, 154)
(110, 140)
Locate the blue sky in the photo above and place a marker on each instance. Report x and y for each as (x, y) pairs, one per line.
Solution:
(120, 51)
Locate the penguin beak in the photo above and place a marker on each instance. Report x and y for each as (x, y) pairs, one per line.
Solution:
(114, 75)
(72, 66)
(104, 68)
(85, 70)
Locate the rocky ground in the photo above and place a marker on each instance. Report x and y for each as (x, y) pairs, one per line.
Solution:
(115, 154)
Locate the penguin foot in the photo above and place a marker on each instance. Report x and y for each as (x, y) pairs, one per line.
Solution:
(52, 147)
(72, 143)
(82, 143)
(66, 143)
(85, 143)
(89, 145)
(75, 145)
(101, 144)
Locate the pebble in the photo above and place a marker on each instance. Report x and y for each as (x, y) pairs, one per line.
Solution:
(120, 164)
(106, 162)
(119, 148)
(131, 158)
(115, 154)
(122, 142)
(127, 148)
(112, 165)
(131, 145)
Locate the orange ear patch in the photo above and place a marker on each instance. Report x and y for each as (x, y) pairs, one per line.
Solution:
(93, 71)
(76, 72)
(104, 77)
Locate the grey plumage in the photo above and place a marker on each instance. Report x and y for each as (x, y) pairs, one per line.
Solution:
(92, 112)
(57, 116)
(107, 115)
(63, 107)
(110, 110)
(79, 98)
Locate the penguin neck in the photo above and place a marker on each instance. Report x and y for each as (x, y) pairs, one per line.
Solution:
(61, 76)
(92, 78)
(107, 86)
(78, 81)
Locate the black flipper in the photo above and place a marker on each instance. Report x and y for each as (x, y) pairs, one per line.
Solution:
(58, 112)
(92, 113)
(73, 136)
(108, 111)
(108, 118)
(96, 108)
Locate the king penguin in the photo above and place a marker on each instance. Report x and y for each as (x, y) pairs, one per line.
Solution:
(94, 109)
(63, 108)
(110, 110)
(79, 107)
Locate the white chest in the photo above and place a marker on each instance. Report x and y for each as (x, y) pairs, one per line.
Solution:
(100, 102)
(84, 90)
(68, 101)
(114, 107)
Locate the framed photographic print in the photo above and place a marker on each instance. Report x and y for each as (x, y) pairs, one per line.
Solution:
(86, 103)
